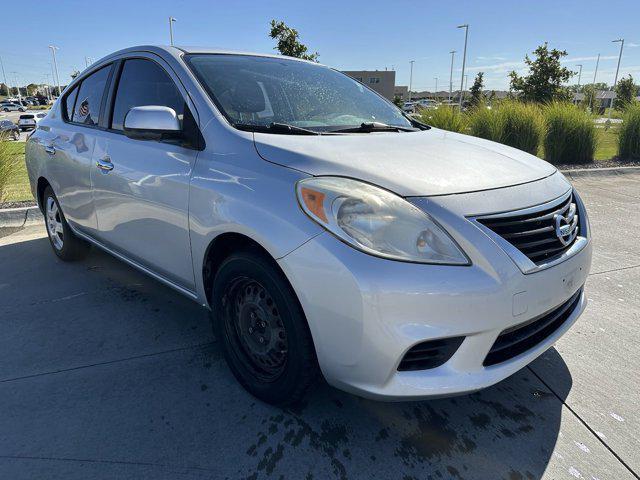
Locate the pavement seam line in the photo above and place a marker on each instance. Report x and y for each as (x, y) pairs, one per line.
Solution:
(109, 362)
(614, 270)
(112, 462)
(593, 432)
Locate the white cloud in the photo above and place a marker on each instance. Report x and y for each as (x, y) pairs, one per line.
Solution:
(589, 59)
(632, 45)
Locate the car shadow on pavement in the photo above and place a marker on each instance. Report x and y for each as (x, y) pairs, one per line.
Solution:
(118, 371)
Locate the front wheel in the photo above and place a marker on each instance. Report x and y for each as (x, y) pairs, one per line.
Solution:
(263, 330)
(65, 244)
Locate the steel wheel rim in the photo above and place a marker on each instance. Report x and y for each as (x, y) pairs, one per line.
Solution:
(54, 224)
(254, 325)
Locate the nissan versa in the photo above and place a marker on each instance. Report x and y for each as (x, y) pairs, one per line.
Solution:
(328, 232)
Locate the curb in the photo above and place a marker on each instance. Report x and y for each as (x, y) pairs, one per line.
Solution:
(20, 217)
(600, 172)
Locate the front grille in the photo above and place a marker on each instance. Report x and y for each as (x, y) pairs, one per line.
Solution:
(535, 233)
(430, 354)
(520, 338)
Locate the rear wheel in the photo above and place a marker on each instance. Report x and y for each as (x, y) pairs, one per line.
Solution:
(65, 244)
(263, 330)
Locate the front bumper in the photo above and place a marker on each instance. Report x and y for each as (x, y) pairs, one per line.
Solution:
(365, 313)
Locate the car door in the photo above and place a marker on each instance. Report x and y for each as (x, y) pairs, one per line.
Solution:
(69, 141)
(141, 187)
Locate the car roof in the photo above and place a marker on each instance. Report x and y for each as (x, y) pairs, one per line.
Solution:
(180, 50)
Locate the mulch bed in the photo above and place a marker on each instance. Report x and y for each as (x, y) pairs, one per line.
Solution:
(22, 204)
(601, 164)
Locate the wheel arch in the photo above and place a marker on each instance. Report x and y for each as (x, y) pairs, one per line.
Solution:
(220, 248)
(42, 184)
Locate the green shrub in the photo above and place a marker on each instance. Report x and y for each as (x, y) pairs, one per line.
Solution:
(486, 123)
(522, 125)
(570, 134)
(629, 137)
(513, 123)
(446, 118)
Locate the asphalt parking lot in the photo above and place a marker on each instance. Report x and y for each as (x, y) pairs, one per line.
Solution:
(105, 373)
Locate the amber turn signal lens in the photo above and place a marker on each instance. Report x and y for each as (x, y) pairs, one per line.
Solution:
(314, 201)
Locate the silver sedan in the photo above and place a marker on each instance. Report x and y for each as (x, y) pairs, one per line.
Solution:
(329, 234)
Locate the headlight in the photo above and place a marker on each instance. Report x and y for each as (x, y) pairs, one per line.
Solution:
(377, 221)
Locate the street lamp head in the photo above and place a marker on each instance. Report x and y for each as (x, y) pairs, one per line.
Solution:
(466, 25)
(618, 40)
(173, 19)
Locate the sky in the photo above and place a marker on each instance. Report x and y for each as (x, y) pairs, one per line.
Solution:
(348, 35)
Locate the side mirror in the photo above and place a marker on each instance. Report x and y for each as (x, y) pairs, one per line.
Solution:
(151, 122)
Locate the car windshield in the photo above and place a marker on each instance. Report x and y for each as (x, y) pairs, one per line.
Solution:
(254, 91)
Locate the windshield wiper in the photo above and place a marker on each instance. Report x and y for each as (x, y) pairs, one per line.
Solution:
(367, 127)
(281, 128)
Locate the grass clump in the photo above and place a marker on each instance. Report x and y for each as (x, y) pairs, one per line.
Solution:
(629, 136)
(446, 118)
(513, 123)
(570, 134)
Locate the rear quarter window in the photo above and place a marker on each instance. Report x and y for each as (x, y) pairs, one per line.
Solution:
(89, 99)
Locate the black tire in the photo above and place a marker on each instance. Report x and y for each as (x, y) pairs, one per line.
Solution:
(284, 374)
(66, 245)
(5, 109)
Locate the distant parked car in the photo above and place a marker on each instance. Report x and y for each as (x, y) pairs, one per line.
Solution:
(12, 107)
(427, 103)
(29, 121)
(9, 129)
(409, 107)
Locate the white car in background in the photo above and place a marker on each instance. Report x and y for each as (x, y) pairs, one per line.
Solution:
(30, 120)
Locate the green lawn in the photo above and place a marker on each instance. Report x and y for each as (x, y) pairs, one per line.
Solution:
(607, 143)
(18, 185)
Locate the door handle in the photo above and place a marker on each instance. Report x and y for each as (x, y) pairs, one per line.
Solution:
(50, 149)
(104, 164)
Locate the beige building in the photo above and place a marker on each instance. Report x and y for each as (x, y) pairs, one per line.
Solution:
(382, 81)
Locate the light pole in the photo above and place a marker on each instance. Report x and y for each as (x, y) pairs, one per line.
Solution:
(171, 22)
(46, 86)
(5, 78)
(55, 65)
(579, 75)
(15, 80)
(452, 52)
(435, 94)
(595, 93)
(596, 71)
(411, 78)
(615, 81)
(464, 60)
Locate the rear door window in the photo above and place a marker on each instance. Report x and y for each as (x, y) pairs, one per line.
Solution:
(69, 103)
(87, 107)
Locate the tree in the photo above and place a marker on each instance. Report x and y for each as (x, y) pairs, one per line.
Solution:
(288, 43)
(477, 97)
(32, 88)
(546, 76)
(4, 90)
(74, 74)
(625, 93)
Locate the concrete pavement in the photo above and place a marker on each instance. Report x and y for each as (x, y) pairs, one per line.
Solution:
(104, 373)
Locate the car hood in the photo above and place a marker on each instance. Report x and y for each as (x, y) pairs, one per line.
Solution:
(430, 162)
